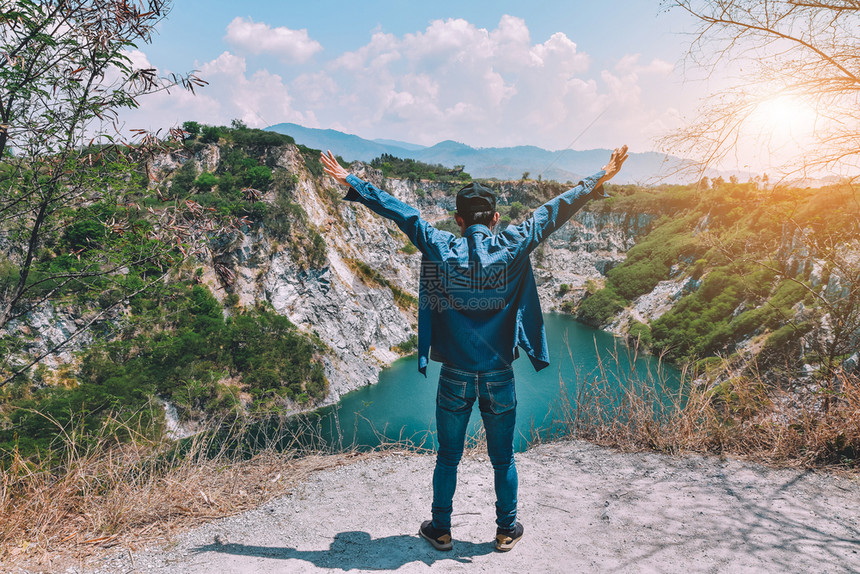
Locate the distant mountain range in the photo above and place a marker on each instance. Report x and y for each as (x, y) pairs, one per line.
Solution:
(495, 162)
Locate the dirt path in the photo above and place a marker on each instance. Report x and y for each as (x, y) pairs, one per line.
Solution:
(585, 509)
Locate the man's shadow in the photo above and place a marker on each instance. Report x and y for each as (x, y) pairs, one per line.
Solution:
(356, 550)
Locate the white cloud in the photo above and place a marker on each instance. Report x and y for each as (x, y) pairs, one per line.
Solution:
(259, 99)
(292, 46)
(315, 90)
(451, 80)
(448, 41)
(138, 59)
(629, 64)
(484, 87)
(382, 50)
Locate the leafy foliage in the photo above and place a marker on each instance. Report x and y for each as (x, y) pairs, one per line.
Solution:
(408, 346)
(597, 309)
(184, 350)
(740, 254)
(396, 167)
(66, 184)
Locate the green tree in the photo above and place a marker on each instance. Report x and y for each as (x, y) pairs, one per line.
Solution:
(65, 71)
(210, 134)
(206, 181)
(192, 128)
(183, 179)
(258, 177)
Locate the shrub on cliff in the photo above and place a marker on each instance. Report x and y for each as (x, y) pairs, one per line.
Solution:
(597, 309)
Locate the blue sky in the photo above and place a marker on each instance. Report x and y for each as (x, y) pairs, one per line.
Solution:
(483, 73)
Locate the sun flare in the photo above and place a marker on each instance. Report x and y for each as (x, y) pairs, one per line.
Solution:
(784, 116)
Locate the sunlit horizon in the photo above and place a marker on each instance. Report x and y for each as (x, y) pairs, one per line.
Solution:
(486, 74)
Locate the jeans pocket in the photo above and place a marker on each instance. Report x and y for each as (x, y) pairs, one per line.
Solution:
(502, 395)
(451, 395)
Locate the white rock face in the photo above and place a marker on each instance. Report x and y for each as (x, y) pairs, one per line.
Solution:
(207, 159)
(584, 249)
(47, 326)
(651, 306)
(359, 323)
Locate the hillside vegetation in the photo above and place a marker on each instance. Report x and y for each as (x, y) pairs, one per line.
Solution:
(174, 341)
(766, 281)
(766, 318)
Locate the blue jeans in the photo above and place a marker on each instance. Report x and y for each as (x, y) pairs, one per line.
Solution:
(497, 402)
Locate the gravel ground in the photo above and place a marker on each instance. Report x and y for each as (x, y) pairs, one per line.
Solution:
(584, 508)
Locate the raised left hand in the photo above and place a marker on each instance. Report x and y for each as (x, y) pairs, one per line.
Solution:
(333, 168)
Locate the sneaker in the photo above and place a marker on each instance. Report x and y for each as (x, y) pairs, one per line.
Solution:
(440, 539)
(505, 539)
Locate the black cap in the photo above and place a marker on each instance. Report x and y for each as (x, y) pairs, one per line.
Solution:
(474, 198)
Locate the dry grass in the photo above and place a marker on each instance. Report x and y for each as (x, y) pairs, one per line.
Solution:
(107, 494)
(745, 416)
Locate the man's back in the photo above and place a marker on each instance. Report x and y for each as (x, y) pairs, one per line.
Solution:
(475, 293)
(478, 301)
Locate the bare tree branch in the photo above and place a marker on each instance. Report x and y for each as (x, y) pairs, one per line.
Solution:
(808, 50)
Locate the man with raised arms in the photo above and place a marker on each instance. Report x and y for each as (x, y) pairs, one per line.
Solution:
(477, 307)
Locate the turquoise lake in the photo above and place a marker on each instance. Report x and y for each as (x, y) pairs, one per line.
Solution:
(401, 406)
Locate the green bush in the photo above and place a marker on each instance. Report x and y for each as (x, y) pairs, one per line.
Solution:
(210, 134)
(517, 210)
(640, 332)
(783, 340)
(258, 211)
(411, 169)
(183, 179)
(254, 138)
(193, 128)
(84, 234)
(184, 351)
(206, 181)
(597, 309)
(9, 273)
(408, 346)
(632, 280)
(257, 177)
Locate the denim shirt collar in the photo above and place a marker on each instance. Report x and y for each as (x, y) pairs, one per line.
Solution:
(477, 228)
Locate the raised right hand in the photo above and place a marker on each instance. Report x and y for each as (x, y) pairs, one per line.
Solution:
(619, 156)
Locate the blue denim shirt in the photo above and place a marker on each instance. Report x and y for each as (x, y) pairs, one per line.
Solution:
(477, 299)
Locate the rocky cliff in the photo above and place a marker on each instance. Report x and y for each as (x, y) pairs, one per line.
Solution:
(359, 320)
(359, 298)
